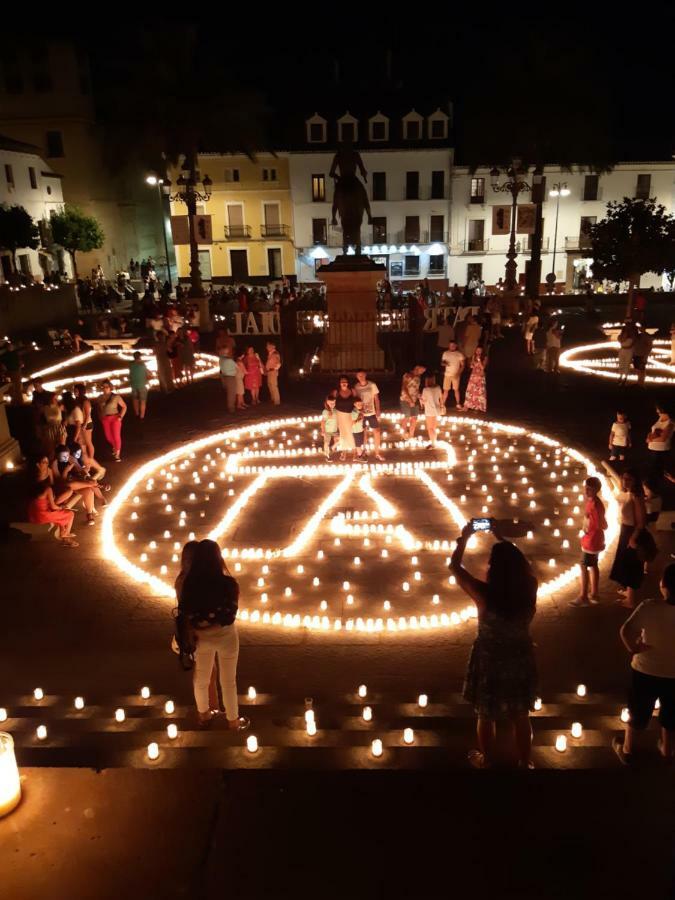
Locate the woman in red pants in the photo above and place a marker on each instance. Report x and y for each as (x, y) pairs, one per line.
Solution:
(112, 409)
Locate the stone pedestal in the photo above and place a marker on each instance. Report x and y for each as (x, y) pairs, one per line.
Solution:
(10, 454)
(351, 294)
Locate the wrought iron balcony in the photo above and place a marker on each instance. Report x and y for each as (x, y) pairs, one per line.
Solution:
(237, 232)
(274, 231)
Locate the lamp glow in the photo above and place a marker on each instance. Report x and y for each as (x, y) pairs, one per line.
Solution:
(153, 750)
(10, 782)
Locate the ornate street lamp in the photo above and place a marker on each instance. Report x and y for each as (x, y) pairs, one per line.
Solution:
(189, 193)
(513, 186)
(558, 190)
(154, 181)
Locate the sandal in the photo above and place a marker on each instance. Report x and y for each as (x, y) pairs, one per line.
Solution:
(239, 724)
(68, 542)
(477, 759)
(204, 720)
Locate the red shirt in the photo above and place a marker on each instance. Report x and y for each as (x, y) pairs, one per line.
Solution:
(593, 540)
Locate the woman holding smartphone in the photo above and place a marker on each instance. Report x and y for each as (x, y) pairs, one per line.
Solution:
(501, 678)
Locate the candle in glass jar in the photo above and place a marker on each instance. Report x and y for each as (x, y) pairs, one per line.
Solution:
(10, 783)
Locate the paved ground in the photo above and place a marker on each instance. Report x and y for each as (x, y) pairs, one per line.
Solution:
(74, 627)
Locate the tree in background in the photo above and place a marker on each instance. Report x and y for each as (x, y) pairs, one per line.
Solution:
(635, 237)
(17, 231)
(76, 232)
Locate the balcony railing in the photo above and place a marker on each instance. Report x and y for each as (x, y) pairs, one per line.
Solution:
(237, 232)
(274, 231)
(580, 242)
(525, 244)
(477, 199)
(475, 245)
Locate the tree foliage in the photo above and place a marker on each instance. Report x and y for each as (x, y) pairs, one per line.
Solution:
(17, 230)
(76, 232)
(635, 237)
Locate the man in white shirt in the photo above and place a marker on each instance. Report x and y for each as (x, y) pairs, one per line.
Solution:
(369, 393)
(453, 361)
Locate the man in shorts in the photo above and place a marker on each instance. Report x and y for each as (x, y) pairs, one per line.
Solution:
(410, 400)
(138, 380)
(453, 362)
(369, 393)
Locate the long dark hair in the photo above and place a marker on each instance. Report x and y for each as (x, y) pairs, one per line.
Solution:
(637, 489)
(203, 584)
(511, 584)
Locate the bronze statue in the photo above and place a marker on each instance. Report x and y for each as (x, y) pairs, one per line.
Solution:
(350, 197)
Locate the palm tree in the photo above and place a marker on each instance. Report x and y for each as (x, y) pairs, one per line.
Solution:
(162, 107)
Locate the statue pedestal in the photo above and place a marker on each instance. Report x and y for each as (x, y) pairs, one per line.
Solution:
(351, 294)
(10, 453)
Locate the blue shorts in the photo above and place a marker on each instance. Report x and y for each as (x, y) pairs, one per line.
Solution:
(371, 421)
(358, 439)
(409, 411)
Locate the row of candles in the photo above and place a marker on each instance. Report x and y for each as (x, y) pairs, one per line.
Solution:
(577, 359)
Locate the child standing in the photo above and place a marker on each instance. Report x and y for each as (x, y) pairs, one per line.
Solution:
(329, 425)
(619, 437)
(592, 542)
(357, 429)
(432, 403)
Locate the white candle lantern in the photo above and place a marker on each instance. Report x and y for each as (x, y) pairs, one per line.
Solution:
(153, 750)
(581, 690)
(625, 715)
(311, 728)
(576, 730)
(367, 714)
(10, 783)
(252, 743)
(169, 707)
(561, 743)
(423, 701)
(120, 715)
(79, 703)
(376, 747)
(537, 704)
(38, 694)
(3, 714)
(41, 732)
(408, 736)
(363, 691)
(172, 731)
(145, 693)
(252, 693)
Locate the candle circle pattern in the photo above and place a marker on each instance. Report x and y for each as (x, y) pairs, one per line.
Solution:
(344, 505)
(602, 360)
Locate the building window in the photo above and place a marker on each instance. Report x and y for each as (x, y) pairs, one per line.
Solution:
(317, 133)
(231, 175)
(438, 128)
(585, 225)
(33, 177)
(55, 144)
(347, 132)
(379, 185)
(591, 187)
(9, 175)
(412, 185)
(378, 131)
(412, 229)
(437, 229)
(319, 232)
(379, 230)
(643, 187)
(412, 130)
(269, 174)
(437, 185)
(474, 270)
(477, 190)
(412, 265)
(318, 188)
(24, 264)
(476, 236)
(437, 264)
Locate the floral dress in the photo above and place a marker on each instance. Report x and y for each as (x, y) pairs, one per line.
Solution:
(476, 395)
(501, 678)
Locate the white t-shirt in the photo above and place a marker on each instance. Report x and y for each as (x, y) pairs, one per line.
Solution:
(432, 398)
(452, 361)
(662, 424)
(656, 620)
(620, 431)
(367, 393)
(553, 338)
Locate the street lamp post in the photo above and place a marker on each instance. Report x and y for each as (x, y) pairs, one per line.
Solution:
(558, 190)
(513, 186)
(187, 192)
(153, 181)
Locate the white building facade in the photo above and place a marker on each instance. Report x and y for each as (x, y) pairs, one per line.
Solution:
(27, 181)
(480, 221)
(408, 159)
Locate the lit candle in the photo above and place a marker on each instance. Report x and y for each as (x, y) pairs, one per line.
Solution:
(538, 704)
(252, 693)
(3, 714)
(422, 700)
(405, 586)
(79, 703)
(38, 694)
(252, 743)
(576, 730)
(315, 581)
(120, 715)
(145, 693)
(367, 714)
(169, 707)
(625, 715)
(561, 743)
(581, 690)
(153, 750)
(376, 747)
(408, 736)
(10, 783)
(41, 732)
(363, 691)
(311, 728)
(172, 731)
(435, 599)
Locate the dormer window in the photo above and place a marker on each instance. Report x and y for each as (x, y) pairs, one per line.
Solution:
(379, 128)
(316, 130)
(412, 126)
(438, 126)
(348, 129)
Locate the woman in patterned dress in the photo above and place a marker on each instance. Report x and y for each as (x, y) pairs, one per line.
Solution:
(501, 678)
(476, 394)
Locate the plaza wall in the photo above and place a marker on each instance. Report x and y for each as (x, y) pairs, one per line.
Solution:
(30, 309)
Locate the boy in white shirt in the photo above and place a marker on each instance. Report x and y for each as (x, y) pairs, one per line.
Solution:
(453, 362)
(619, 437)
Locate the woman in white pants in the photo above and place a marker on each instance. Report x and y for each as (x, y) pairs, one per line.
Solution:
(209, 597)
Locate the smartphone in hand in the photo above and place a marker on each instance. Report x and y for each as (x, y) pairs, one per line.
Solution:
(481, 524)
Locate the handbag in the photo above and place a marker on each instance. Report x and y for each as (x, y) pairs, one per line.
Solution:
(184, 640)
(646, 546)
